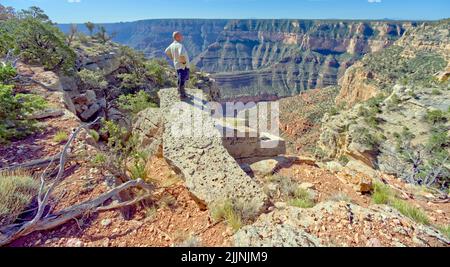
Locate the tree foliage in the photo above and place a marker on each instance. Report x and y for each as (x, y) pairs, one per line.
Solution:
(90, 26)
(103, 35)
(33, 37)
(16, 108)
(93, 79)
(6, 12)
(34, 12)
(7, 74)
(135, 103)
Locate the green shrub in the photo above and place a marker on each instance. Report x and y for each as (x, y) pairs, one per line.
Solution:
(120, 145)
(445, 230)
(132, 60)
(7, 73)
(94, 134)
(365, 137)
(394, 102)
(302, 199)
(384, 195)
(436, 91)
(135, 103)
(288, 187)
(226, 211)
(138, 171)
(93, 79)
(155, 71)
(437, 141)
(319, 153)
(6, 41)
(131, 82)
(370, 111)
(84, 39)
(16, 193)
(193, 80)
(336, 109)
(150, 213)
(102, 35)
(343, 160)
(60, 137)
(99, 160)
(414, 213)
(291, 193)
(38, 42)
(15, 108)
(138, 168)
(412, 94)
(436, 117)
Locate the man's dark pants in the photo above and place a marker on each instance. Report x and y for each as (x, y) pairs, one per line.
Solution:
(183, 76)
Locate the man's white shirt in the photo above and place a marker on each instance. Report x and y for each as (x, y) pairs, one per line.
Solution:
(176, 49)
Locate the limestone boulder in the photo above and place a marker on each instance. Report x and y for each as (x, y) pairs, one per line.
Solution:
(193, 147)
(90, 112)
(355, 225)
(148, 130)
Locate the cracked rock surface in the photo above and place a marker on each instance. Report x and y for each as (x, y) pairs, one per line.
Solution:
(193, 147)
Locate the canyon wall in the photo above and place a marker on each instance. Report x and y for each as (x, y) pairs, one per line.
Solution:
(265, 58)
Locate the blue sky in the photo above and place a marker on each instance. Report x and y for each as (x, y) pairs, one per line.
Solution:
(67, 11)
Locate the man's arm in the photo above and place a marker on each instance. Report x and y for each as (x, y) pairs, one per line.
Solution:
(183, 55)
(169, 53)
(182, 59)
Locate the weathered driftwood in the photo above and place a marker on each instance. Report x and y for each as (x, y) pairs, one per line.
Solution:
(13, 232)
(38, 163)
(42, 221)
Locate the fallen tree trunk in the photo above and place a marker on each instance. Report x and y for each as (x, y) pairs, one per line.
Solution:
(11, 233)
(41, 221)
(38, 163)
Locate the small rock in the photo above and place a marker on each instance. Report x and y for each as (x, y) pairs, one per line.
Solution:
(49, 113)
(106, 222)
(91, 97)
(281, 205)
(307, 186)
(417, 241)
(365, 185)
(85, 115)
(74, 242)
(264, 168)
(106, 242)
(374, 243)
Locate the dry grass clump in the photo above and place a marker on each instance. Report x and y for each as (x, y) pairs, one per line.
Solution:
(16, 192)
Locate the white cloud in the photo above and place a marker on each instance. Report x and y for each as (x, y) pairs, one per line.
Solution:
(374, 1)
(73, 1)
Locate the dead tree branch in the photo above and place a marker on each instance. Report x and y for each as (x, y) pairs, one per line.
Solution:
(38, 163)
(41, 221)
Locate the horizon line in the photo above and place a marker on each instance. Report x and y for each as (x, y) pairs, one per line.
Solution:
(304, 19)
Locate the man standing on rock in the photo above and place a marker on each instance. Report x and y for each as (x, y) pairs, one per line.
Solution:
(178, 54)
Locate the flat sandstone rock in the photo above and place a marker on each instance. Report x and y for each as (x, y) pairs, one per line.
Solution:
(193, 146)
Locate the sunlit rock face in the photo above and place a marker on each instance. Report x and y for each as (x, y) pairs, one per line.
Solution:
(280, 58)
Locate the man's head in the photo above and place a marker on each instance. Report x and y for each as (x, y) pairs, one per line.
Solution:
(177, 36)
